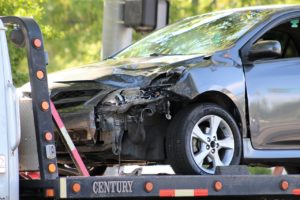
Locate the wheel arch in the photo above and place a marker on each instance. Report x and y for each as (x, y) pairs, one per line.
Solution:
(226, 103)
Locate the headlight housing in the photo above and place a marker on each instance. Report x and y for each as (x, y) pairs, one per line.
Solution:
(121, 100)
(122, 96)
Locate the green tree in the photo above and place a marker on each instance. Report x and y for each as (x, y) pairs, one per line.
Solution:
(80, 25)
(22, 8)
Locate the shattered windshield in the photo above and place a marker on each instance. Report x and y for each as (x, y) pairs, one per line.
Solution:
(202, 34)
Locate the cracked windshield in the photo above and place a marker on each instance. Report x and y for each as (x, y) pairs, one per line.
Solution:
(197, 35)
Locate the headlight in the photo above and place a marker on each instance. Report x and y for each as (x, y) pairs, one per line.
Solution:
(122, 96)
(112, 99)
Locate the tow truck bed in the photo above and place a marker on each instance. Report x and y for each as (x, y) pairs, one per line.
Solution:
(51, 185)
(171, 186)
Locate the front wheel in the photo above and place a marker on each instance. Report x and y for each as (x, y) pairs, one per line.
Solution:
(202, 137)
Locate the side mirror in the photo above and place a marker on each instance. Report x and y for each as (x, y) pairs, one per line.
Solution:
(265, 49)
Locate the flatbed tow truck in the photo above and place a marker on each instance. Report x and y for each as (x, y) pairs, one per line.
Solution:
(233, 181)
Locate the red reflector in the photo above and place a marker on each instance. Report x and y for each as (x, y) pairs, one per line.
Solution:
(40, 74)
(48, 136)
(45, 105)
(37, 43)
(50, 193)
(76, 187)
(149, 186)
(167, 193)
(218, 186)
(201, 192)
(296, 192)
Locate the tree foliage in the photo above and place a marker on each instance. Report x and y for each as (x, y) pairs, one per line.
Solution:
(72, 28)
(80, 25)
(21, 8)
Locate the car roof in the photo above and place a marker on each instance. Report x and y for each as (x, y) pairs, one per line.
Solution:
(279, 8)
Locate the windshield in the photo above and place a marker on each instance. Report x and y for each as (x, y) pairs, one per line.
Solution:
(202, 34)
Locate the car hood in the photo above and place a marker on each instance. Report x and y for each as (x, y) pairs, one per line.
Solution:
(120, 73)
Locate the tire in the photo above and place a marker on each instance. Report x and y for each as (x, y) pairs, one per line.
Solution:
(292, 169)
(185, 149)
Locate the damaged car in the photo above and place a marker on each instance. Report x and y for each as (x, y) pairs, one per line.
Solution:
(212, 90)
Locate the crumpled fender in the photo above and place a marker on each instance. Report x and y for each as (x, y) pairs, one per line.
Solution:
(219, 73)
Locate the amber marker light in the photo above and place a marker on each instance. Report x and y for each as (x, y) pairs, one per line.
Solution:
(284, 185)
(48, 136)
(76, 187)
(45, 105)
(51, 168)
(149, 186)
(50, 192)
(37, 43)
(40, 74)
(218, 186)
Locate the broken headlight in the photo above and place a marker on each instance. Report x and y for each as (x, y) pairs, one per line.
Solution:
(121, 100)
(120, 97)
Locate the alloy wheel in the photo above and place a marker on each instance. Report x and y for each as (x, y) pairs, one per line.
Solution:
(212, 143)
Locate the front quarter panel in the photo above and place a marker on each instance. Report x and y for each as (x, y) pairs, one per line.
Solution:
(220, 73)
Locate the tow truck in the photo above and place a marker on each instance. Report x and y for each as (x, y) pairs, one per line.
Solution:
(232, 181)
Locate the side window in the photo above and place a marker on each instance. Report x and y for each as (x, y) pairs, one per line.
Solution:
(288, 34)
(291, 50)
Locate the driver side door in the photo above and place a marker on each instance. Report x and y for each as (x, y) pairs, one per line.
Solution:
(273, 92)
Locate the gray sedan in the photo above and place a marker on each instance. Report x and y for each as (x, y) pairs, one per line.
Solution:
(217, 89)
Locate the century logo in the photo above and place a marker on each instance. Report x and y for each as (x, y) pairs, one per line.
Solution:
(107, 187)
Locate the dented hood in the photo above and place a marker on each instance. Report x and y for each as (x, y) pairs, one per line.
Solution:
(131, 72)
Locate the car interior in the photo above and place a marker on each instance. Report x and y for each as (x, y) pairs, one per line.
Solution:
(287, 34)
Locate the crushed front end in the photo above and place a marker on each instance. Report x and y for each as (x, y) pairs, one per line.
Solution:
(134, 121)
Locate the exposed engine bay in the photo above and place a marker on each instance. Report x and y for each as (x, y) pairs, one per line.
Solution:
(126, 113)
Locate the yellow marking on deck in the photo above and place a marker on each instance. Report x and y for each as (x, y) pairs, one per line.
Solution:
(63, 187)
(184, 193)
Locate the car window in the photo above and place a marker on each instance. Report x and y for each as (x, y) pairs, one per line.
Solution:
(288, 35)
(291, 50)
(276, 35)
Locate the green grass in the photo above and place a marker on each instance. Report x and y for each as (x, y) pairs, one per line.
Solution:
(259, 170)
